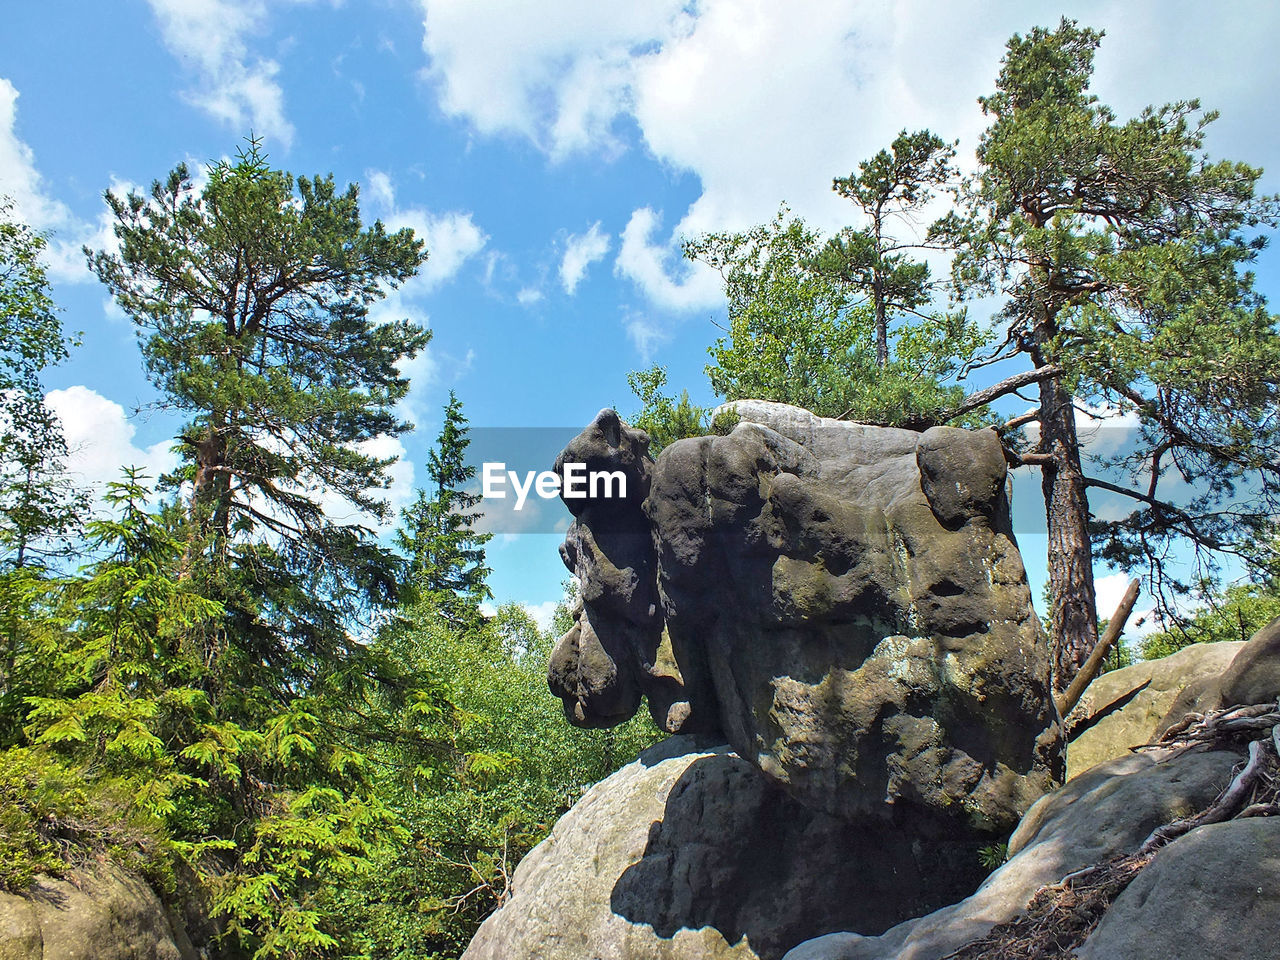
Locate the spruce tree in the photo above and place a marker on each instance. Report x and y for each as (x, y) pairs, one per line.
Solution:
(445, 552)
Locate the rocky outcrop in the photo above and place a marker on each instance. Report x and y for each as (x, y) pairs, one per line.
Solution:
(1106, 812)
(688, 853)
(844, 603)
(1214, 893)
(846, 607)
(1252, 677)
(107, 914)
(1124, 708)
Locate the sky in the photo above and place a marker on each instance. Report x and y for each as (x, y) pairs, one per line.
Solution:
(552, 153)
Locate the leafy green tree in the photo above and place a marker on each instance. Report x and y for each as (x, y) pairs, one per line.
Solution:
(793, 334)
(1122, 251)
(1236, 613)
(495, 767)
(38, 507)
(664, 418)
(251, 295)
(437, 533)
(804, 316)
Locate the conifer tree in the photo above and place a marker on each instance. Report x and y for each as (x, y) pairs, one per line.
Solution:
(437, 534)
(1123, 252)
(251, 295)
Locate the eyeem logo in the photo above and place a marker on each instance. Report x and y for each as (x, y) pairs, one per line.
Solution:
(577, 483)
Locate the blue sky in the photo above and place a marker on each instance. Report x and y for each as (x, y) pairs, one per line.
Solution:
(552, 153)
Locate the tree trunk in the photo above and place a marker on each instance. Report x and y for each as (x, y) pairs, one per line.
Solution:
(882, 321)
(1073, 621)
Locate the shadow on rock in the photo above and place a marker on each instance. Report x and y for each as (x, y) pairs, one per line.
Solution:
(735, 853)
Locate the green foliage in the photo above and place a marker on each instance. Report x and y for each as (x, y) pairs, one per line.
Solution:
(664, 418)
(802, 328)
(494, 765)
(893, 185)
(54, 818)
(206, 689)
(1123, 251)
(39, 508)
(437, 533)
(1236, 613)
(251, 296)
(994, 856)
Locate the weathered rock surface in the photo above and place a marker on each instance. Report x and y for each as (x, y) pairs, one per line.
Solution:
(1252, 677)
(109, 915)
(1123, 708)
(1213, 894)
(846, 603)
(1105, 812)
(690, 854)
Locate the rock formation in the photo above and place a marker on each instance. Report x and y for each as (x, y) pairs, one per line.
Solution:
(103, 914)
(688, 853)
(845, 604)
(1125, 708)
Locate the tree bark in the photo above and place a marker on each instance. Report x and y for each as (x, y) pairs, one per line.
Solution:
(1073, 621)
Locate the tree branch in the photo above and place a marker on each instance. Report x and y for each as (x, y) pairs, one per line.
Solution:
(1006, 386)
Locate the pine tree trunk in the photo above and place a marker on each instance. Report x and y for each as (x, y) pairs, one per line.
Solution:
(1073, 621)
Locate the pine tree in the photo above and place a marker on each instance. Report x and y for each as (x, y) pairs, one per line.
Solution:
(892, 186)
(1122, 251)
(437, 534)
(251, 295)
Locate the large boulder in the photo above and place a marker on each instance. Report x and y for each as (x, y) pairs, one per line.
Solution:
(688, 853)
(105, 914)
(845, 603)
(1213, 894)
(1252, 677)
(1124, 708)
(1105, 812)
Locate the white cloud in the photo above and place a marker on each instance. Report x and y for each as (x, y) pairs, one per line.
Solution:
(646, 336)
(765, 102)
(543, 613)
(100, 439)
(528, 296)
(230, 85)
(646, 264)
(20, 180)
(1109, 591)
(451, 238)
(580, 251)
(558, 74)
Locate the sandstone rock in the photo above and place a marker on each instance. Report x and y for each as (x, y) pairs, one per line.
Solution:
(1105, 812)
(617, 651)
(1213, 894)
(845, 602)
(689, 853)
(107, 915)
(1252, 677)
(1123, 708)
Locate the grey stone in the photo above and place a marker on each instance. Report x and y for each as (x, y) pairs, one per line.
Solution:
(1124, 708)
(1213, 894)
(1105, 812)
(845, 603)
(690, 853)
